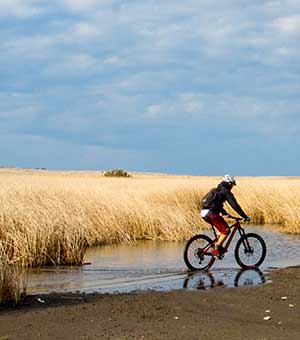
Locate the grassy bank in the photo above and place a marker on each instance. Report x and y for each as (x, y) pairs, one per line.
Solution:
(51, 217)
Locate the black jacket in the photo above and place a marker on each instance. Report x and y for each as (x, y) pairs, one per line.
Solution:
(224, 194)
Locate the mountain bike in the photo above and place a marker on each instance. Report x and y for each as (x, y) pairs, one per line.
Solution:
(250, 250)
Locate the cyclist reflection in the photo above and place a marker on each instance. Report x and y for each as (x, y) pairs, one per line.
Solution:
(204, 280)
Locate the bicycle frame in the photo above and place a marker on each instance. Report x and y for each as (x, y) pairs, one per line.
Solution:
(233, 229)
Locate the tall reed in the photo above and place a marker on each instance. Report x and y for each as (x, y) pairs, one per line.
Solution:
(13, 280)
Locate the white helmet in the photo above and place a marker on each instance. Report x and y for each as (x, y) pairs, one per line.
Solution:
(229, 179)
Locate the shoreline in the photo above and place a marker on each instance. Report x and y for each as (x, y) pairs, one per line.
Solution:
(227, 313)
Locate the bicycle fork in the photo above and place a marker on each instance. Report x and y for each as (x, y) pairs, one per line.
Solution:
(247, 247)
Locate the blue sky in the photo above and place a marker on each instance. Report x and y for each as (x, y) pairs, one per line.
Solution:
(188, 87)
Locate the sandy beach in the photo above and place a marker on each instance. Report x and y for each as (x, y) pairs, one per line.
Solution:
(220, 313)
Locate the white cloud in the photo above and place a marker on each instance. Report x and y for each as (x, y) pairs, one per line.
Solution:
(21, 114)
(192, 103)
(73, 64)
(85, 30)
(284, 52)
(216, 29)
(20, 8)
(18, 108)
(288, 25)
(100, 28)
(33, 47)
(154, 111)
(188, 105)
(263, 115)
(277, 8)
(83, 5)
(112, 60)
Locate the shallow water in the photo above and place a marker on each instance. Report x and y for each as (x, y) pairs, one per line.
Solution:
(160, 266)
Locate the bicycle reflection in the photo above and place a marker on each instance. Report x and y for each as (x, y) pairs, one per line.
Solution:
(204, 280)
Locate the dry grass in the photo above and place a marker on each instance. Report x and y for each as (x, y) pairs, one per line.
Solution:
(50, 217)
(13, 280)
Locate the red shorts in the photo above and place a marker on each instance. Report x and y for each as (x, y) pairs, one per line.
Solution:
(219, 222)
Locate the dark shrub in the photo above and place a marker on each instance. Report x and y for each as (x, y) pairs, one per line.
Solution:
(116, 173)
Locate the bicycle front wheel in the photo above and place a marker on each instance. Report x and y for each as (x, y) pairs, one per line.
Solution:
(250, 251)
(197, 254)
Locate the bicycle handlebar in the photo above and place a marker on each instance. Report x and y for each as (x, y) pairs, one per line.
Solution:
(236, 218)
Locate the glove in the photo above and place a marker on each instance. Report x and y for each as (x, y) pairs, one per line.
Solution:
(247, 219)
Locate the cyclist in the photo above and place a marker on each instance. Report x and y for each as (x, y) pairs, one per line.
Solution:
(213, 211)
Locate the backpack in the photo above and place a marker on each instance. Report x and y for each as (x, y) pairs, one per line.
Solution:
(208, 199)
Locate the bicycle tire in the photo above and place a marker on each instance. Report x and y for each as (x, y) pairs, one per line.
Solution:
(193, 258)
(253, 257)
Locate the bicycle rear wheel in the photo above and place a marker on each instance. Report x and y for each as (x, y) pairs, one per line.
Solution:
(197, 254)
(250, 251)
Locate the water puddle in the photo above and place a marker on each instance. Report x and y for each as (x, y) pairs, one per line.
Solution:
(159, 266)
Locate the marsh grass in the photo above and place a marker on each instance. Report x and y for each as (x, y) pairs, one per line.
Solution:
(51, 217)
(13, 280)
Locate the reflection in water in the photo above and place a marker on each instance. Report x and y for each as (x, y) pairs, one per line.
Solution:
(200, 280)
(128, 280)
(204, 280)
(249, 277)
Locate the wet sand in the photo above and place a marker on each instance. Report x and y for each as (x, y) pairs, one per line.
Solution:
(220, 313)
